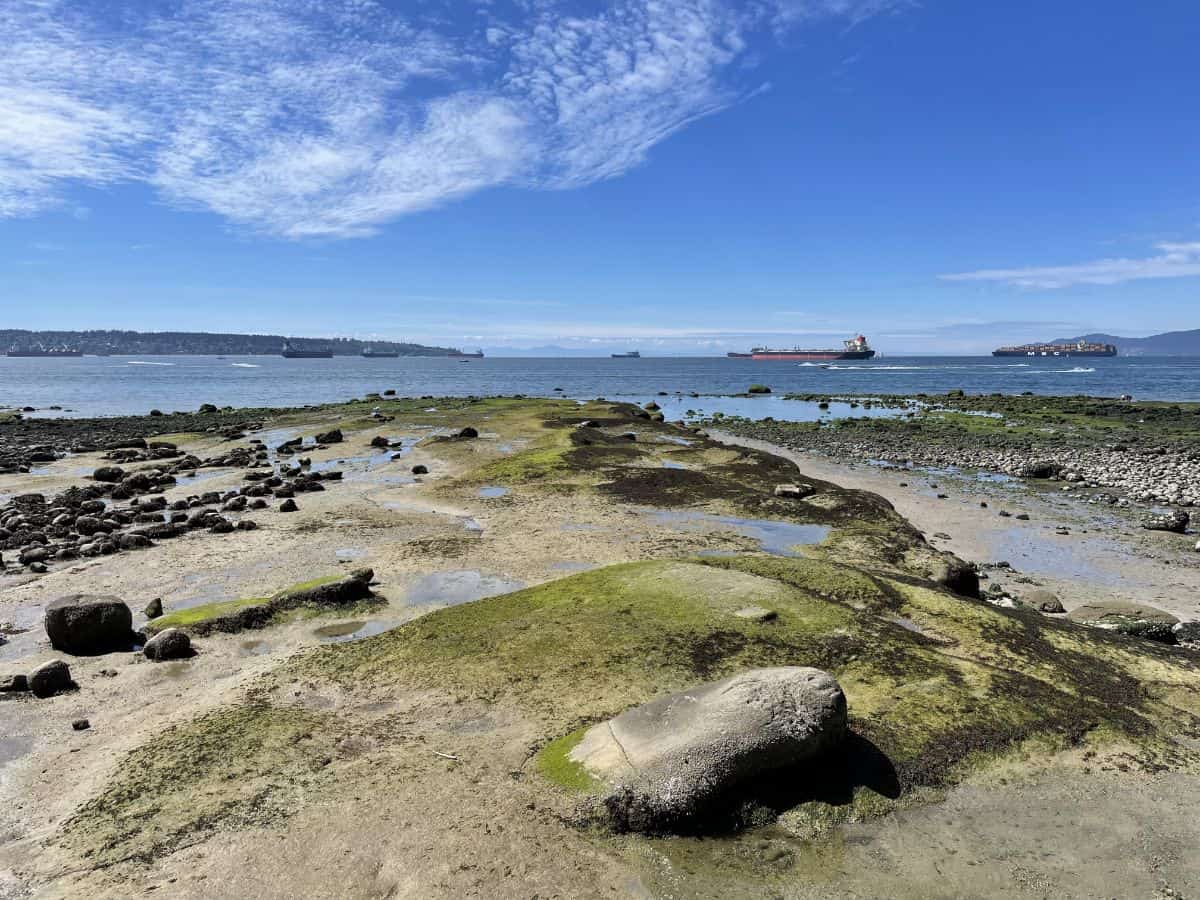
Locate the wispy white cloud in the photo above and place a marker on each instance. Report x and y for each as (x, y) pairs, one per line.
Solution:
(1174, 260)
(327, 118)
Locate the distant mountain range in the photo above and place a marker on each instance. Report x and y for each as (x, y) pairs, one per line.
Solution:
(162, 343)
(1171, 343)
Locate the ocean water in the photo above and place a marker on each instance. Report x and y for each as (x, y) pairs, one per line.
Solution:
(134, 385)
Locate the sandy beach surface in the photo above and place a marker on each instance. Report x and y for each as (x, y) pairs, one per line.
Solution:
(424, 790)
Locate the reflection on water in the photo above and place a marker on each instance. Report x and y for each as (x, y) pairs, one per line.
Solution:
(460, 586)
(761, 407)
(569, 566)
(774, 537)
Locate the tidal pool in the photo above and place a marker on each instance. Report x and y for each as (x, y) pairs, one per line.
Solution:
(569, 566)
(340, 632)
(778, 538)
(458, 586)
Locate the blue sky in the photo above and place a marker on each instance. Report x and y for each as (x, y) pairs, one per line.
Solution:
(680, 177)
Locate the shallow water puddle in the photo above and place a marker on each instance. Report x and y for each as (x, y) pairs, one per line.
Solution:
(667, 464)
(173, 670)
(459, 586)
(981, 476)
(778, 538)
(759, 407)
(255, 648)
(337, 631)
(201, 475)
(569, 566)
(350, 553)
(493, 491)
(14, 747)
(1036, 553)
(340, 632)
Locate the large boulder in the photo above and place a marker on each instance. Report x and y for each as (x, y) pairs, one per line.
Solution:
(667, 764)
(85, 624)
(1127, 618)
(1175, 520)
(945, 569)
(1040, 469)
(1044, 601)
(330, 437)
(170, 643)
(110, 474)
(51, 678)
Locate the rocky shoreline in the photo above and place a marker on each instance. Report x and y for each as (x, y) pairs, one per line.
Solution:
(1103, 451)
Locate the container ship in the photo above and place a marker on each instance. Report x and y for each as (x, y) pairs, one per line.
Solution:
(855, 348)
(373, 353)
(629, 354)
(57, 352)
(1079, 348)
(290, 352)
(460, 354)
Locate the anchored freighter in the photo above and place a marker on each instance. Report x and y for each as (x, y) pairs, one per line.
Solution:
(1079, 348)
(291, 352)
(855, 348)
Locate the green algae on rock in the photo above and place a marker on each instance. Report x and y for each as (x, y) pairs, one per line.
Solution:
(229, 616)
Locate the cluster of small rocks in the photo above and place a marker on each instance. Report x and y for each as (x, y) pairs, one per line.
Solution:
(86, 521)
(29, 442)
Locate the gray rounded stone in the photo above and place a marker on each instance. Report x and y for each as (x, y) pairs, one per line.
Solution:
(51, 678)
(170, 643)
(667, 763)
